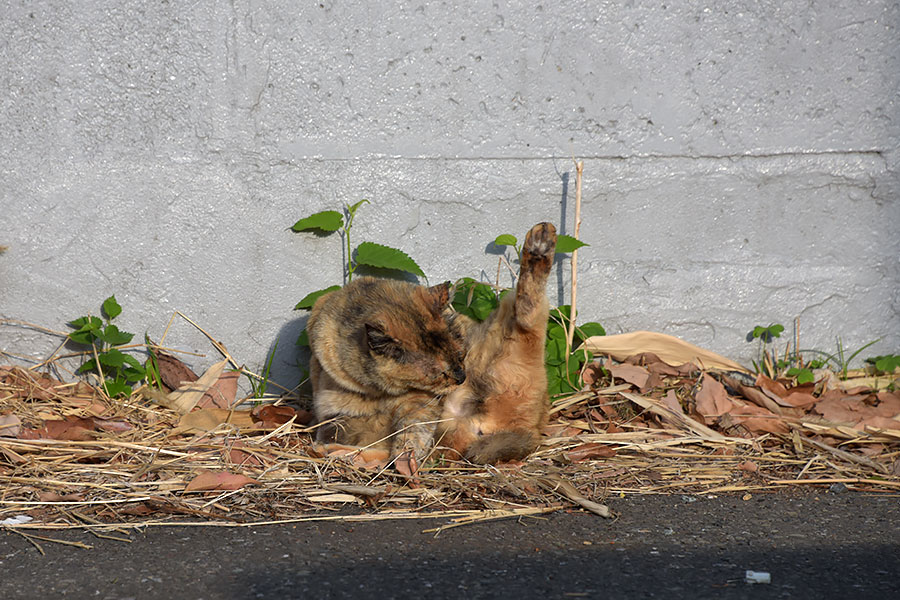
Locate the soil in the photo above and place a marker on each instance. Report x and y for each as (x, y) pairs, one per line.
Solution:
(815, 544)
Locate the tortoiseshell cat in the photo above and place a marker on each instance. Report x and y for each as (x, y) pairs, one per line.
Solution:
(383, 356)
(389, 357)
(498, 413)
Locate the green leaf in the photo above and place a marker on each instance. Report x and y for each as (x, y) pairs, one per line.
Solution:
(352, 209)
(310, 299)
(116, 388)
(566, 243)
(83, 337)
(87, 323)
(112, 336)
(88, 366)
(555, 352)
(475, 300)
(385, 257)
(112, 358)
(768, 333)
(802, 375)
(506, 240)
(586, 330)
(111, 308)
(886, 364)
(303, 338)
(553, 381)
(133, 375)
(555, 331)
(327, 220)
(561, 314)
(133, 362)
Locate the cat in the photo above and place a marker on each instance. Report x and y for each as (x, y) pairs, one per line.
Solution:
(498, 413)
(383, 356)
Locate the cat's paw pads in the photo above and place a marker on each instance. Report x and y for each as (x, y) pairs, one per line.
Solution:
(541, 240)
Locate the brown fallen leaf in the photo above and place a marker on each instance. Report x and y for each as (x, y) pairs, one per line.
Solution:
(112, 426)
(633, 374)
(241, 457)
(186, 397)
(771, 385)
(592, 374)
(757, 419)
(748, 466)
(668, 348)
(800, 399)
(222, 393)
(207, 419)
(278, 415)
(218, 480)
(712, 399)
(173, 372)
(589, 451)
(10, 426)
(72, 429)
(54, 497)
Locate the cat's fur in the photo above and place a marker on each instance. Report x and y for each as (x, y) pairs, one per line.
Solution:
(383, 355)
(498, 413)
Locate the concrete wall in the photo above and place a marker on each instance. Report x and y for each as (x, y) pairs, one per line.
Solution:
(741, 159)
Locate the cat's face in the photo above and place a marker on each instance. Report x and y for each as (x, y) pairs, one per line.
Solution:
(416, 348)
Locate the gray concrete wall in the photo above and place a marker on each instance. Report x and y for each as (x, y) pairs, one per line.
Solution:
(741, 159)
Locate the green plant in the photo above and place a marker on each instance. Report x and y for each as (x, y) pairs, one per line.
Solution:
(565, 365)
(258, 386)
(793, 364)
(118, 371)
(803, 374)
(766, 361)
(885, 364)
(367, 253)
(839, 361)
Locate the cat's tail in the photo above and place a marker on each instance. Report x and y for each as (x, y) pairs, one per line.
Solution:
(503, 446)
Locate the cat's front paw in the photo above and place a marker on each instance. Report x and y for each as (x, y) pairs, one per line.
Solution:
(540, 241)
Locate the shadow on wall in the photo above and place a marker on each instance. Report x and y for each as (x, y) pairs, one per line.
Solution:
(290, 363)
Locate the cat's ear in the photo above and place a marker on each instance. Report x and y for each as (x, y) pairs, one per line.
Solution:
(381, 343)
(439, 297)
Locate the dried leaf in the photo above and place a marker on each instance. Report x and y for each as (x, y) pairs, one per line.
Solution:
(218, 480)
(669, 349)
(757, 419)
(54, 497)
(800, 400)
(712, 399)
(111, 426)
(207, 419)
(637, 376)
(10, 426)
(589, 451)
(277, 415)
(173, 372)
(222, 393)
(771, 385)
(72, 429)
(186, 397)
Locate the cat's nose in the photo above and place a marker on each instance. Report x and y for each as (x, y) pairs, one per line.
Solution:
(459, 375)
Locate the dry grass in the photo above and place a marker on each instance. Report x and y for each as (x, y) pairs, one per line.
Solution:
(111, 465)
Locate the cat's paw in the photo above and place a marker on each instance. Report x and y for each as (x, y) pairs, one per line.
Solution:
(540, 241)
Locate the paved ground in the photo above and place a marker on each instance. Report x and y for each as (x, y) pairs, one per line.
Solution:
(814, 545)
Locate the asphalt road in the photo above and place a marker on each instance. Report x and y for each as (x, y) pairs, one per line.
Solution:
(814, 545)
